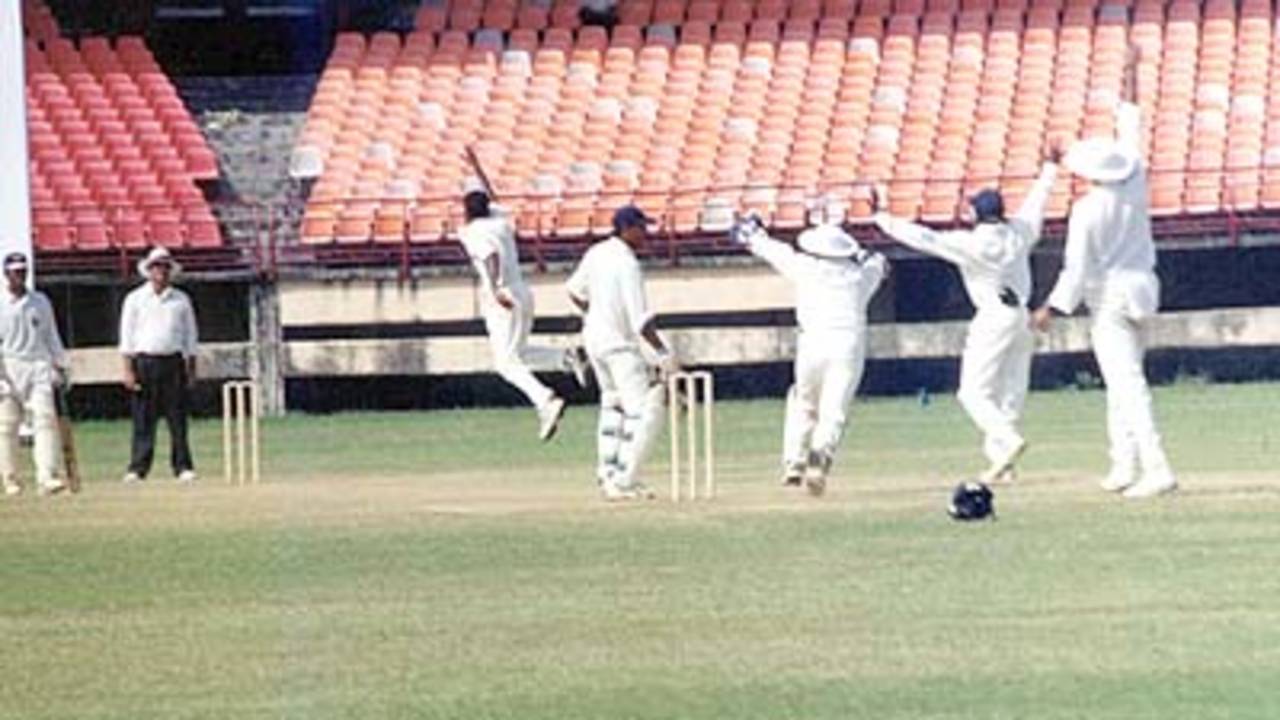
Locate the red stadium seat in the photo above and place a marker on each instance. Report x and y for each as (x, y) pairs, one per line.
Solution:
(104, 121)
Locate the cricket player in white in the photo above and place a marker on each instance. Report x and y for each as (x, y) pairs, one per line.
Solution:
(507, 305)
(609, 289)
(993, 259)
(835, 280)
(35, 364)
(1109, 265)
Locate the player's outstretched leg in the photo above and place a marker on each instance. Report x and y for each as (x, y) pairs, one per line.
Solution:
(839, 384)
(801, 417)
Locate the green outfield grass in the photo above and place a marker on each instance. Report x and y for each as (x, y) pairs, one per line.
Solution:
(444, 565)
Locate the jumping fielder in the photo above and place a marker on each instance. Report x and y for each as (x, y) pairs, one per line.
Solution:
(993, 259)
(35, 365)
(835, 280)
(507, 305)
(1109, 264)
(608, 288)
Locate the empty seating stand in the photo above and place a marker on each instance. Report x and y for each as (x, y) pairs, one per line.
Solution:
(697, 109)
(115, 155)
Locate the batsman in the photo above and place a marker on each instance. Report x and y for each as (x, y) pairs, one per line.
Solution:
(35, 368)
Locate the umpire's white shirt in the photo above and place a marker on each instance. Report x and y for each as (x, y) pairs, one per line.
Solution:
(608, 279)
(493, 235)
(1110, 257)
(992, 256)
(154, 323)
(29, 330)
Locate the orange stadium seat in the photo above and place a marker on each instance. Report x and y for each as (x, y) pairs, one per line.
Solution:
(114, 153)
(698, 108)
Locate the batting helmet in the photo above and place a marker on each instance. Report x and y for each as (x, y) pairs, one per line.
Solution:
(971, 500)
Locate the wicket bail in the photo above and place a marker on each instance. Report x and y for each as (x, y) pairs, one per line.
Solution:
(241, 461)
(692, 389)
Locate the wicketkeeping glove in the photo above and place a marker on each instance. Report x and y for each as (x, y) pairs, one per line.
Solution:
(746, 228)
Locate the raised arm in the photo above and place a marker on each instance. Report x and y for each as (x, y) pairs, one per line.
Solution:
(1029, 219)
(917, 237)
(750, 233)
(1128, 114)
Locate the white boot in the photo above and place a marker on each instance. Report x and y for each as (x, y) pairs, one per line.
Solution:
(11, 487)
(51, 488)
(1151, 485)
(815, 475)
(549, 416)
(793, 474)
(1009, 450)
(1119, 479)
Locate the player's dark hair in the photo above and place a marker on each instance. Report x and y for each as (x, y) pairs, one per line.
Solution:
(476, 204)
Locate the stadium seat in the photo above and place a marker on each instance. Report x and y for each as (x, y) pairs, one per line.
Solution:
(764, 104)
(112, 146)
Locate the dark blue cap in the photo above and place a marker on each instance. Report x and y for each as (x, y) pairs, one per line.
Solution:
(988, 206)
(629, 216)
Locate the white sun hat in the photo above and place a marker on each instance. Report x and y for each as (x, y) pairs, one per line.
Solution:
(828, 241)
(1101, 160)
(159, 254)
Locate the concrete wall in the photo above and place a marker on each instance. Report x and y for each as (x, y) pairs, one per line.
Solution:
(704, 294)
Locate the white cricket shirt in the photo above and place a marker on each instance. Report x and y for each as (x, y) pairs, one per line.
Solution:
(29, 329)
(157, 323)
(1110, 255)
(484, 237)
(991, 256)
(608, 279)
(831, 294)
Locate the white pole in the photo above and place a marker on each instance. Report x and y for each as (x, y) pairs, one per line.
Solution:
(15, 186)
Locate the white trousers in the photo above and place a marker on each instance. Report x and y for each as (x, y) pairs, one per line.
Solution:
(631, 411)
(513, 357)
(29, 386)
(1131, 426)
(994, 372)
(828, 371)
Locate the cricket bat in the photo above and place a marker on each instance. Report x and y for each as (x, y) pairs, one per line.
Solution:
(474, 161)
(68, 439)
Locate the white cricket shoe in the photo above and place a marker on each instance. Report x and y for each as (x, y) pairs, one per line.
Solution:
(815, 474)
(549, 418)
(1118, 480)
(188, 476)
(132, 478)
(575, 358)
(613, 492)
(53, 487)
(1151, 485)
(793, 475)
(11, 488)
(1008, 477)
(1013, 449)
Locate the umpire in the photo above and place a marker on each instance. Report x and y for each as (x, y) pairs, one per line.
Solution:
(158, 343)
